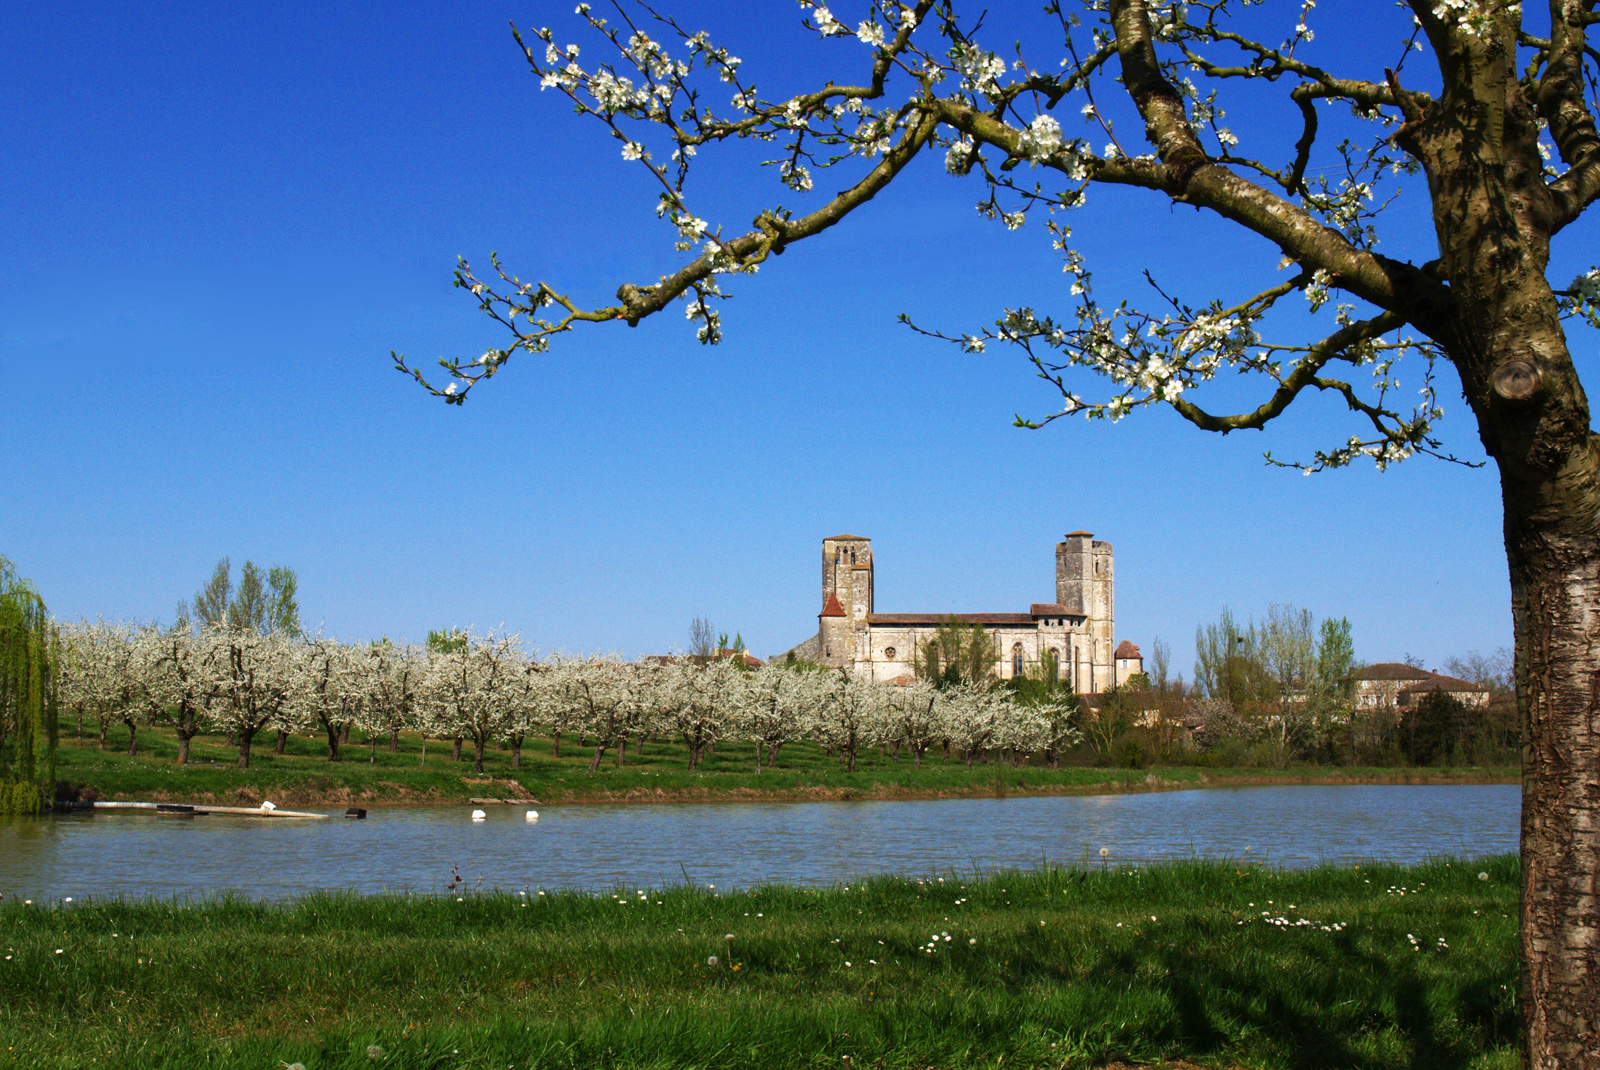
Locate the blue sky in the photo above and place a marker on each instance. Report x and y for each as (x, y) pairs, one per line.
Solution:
(216, 222)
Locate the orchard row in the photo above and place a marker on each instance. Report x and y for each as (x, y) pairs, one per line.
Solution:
(487, 690)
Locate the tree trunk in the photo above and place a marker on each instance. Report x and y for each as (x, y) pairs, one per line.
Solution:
(516, 751)
(772, 756)
(394, 741)
(245, 737)
(599, 756)
(334, 739)
(344, 732)
(133, 735)
(283, 741)
(455, 755)
(1555, 592)
(105, 726)
(622, 751)
(183, 746)
(478, 743)
(555, 739)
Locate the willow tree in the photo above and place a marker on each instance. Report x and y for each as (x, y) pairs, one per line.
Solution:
(29, 662)
(1478, 103)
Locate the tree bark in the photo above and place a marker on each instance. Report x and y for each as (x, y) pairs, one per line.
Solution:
(1552, 548)
(133, 735)
(477, 754)
(335, 737)
(555, 743)
(455, 754)
(283, 741)
(245, 738)
(394, 741)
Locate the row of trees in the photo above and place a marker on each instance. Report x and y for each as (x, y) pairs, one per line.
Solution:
(483, 690)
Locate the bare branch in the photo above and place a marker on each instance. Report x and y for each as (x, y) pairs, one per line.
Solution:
(1560, 102)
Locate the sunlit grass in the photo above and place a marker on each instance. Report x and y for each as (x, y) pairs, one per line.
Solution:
(1230, 964)
(304, 775)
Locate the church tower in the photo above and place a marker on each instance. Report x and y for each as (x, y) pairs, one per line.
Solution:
(1084, 588)
(846, 601)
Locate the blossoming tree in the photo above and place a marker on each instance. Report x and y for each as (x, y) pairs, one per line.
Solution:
(1504, 137)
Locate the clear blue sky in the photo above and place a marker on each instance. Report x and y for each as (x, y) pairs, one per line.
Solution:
(216, 221)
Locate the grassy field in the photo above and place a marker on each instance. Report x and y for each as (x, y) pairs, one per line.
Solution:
(1226, 965)
(304, 776)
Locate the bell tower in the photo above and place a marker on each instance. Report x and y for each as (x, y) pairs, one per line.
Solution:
(846, 600)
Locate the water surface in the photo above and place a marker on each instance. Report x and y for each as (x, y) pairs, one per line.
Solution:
(736, 845)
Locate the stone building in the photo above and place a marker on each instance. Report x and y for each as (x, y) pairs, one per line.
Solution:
(1129, 661)
(1077, 627)
(1391, 684)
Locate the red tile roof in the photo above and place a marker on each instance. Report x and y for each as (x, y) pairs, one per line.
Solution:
(1073, 534)
(1392, 670)
(847, 538)
(940, 618)
(1126, 649)
(1055, 609)
(832, 608)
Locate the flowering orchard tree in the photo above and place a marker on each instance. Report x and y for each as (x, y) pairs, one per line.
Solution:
(1504, 139)
(469, 689)
(175, 680)
(335, 688)
(701, 705)
(593, 695)
(264, 682)
(774, 706)
(390, 678)
(103, 675)
(850, 714)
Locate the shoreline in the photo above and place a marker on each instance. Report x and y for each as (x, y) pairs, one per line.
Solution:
(548, 795)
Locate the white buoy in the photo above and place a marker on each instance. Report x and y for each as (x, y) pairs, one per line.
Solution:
(268, 805)
(479, 815)
(531, 815)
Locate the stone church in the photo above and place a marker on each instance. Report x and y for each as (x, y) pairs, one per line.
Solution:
(1077, 627)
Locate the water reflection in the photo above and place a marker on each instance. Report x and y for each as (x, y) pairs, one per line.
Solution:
(413, 849)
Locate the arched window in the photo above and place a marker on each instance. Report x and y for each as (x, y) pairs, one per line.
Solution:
(1016, 660)
(1055, 657)
(852, 557)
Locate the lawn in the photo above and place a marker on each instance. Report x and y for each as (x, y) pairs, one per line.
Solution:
(423, 772)
(1227, 965)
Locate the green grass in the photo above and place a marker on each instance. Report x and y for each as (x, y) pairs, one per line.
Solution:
(1055, 968)
(304, 775)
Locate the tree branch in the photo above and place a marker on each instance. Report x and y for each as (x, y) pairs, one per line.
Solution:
(1560, 102)
(1303, 375)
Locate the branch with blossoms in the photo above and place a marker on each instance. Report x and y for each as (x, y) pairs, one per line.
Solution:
(1158, 360)
(928, 82)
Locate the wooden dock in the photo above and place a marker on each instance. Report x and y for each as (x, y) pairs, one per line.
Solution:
(186, 810)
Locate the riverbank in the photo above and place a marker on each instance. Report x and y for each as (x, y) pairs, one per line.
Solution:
(1230, 965)
(424, 773)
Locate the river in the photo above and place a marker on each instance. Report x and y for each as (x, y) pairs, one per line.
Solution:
(416, 849)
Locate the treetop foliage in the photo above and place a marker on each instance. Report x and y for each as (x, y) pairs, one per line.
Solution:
(264, 602)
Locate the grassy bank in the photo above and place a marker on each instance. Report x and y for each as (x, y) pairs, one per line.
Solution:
(424, 773)
(1228, 965)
